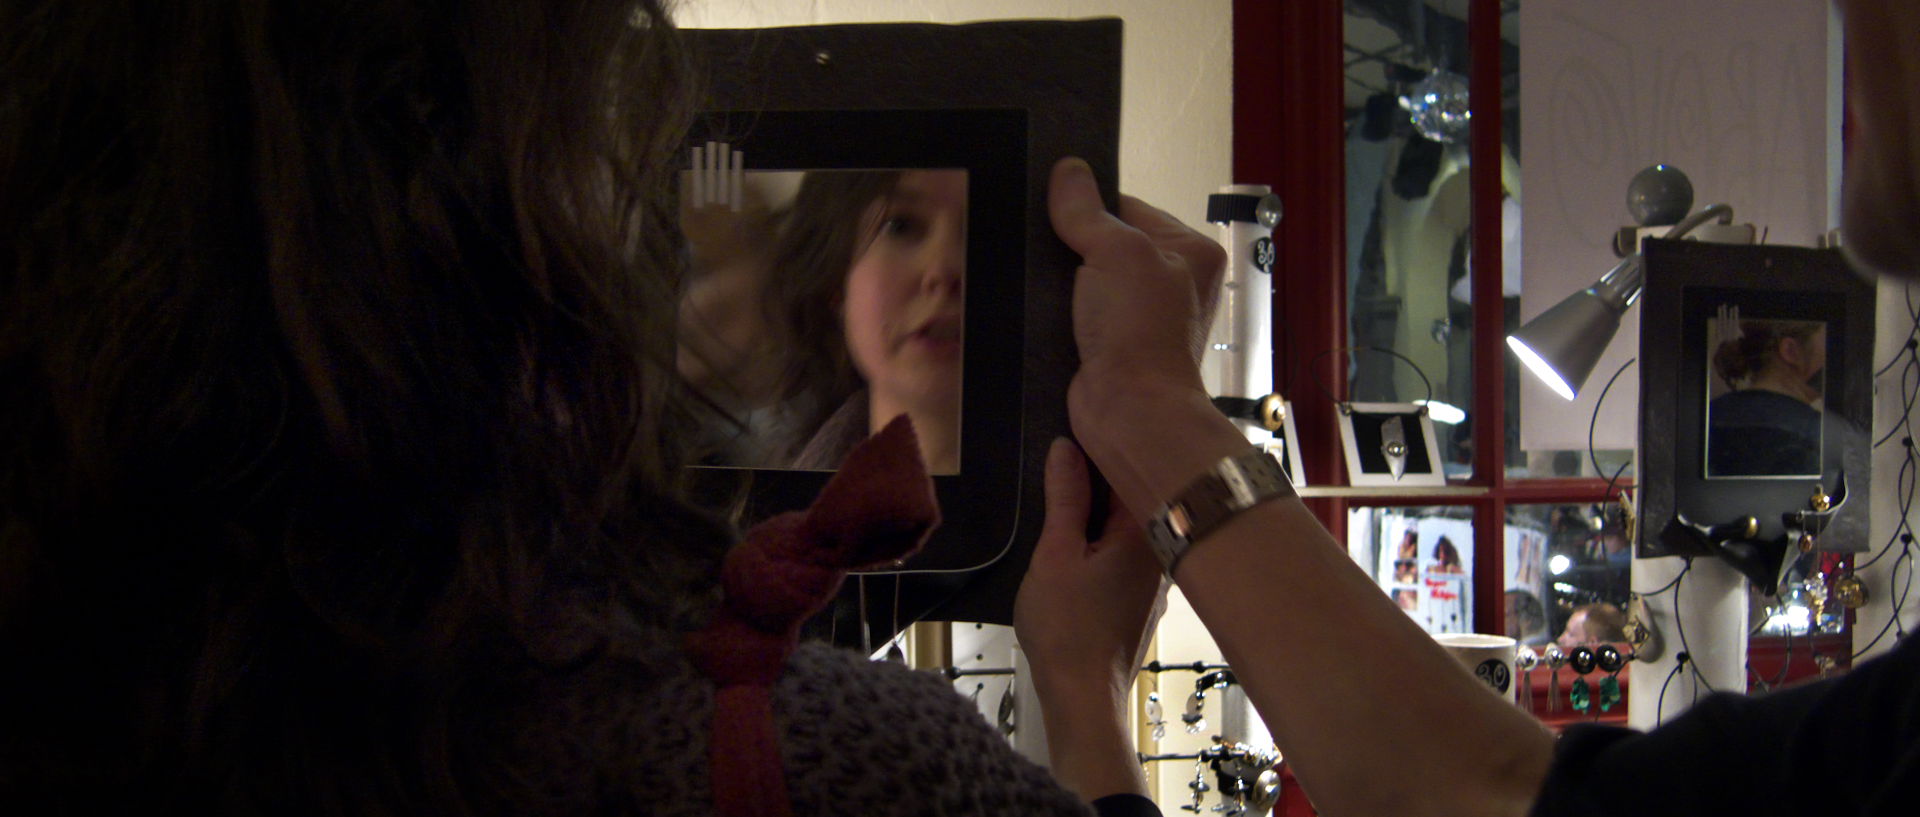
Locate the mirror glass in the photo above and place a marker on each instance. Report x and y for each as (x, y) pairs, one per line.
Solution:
(1567, 574)
(818, 306)
(1765, 388)
(1409, 217)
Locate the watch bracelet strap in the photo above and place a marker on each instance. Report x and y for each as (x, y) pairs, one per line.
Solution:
(1232, 486)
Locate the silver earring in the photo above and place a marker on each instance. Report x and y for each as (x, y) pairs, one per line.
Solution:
(1393, 446)
(1192, 718)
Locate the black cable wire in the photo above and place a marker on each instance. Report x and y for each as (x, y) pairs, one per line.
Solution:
(1905, 482)
(1595, 420)
(1313, 365)
(1884, 629)
(1912, 341)
(1680, 624)
(1903, 488)
(1660, 705)
(1912, 369)
(1665, 587)
(1897, 591)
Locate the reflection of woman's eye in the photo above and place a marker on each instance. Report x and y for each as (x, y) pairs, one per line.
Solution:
(902, 226)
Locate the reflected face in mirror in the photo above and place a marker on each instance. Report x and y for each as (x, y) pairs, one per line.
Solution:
(820, 306)
(903, 307)
(1765, 396)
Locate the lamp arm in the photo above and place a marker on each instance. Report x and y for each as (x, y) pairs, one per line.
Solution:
(1683, 226)
(1621, 286)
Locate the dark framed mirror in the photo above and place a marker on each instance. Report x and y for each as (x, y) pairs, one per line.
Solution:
(1756, 390)
(910, 141)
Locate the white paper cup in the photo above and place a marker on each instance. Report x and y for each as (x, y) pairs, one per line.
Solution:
(1488, 657)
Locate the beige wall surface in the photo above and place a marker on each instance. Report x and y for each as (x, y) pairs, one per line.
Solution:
(1176, 83)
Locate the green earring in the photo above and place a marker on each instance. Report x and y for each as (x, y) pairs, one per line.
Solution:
(1582, 661)
(1610, 660)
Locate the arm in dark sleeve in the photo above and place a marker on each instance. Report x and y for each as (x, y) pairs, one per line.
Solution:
(1125, 805)
(1850, 745)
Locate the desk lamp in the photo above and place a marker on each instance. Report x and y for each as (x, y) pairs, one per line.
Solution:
(1562, 344)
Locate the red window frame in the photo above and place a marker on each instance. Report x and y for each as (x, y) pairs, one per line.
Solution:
(1288, 132)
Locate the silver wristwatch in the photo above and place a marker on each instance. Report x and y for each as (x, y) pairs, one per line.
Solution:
(1232, 485)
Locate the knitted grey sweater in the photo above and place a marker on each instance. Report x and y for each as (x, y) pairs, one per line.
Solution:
(629, 736)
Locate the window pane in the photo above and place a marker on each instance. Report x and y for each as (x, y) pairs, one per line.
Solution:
(1422, 558)
(1567, 574)
(1409, 213)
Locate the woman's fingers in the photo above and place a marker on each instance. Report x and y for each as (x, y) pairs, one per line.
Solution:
(1081, 219)
(1069, 498)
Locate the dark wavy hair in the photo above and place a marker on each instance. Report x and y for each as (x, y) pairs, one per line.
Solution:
(823, 231)
(1748, 355)
(335, 346)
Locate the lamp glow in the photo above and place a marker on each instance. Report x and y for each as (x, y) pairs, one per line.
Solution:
(1559, 564)
(1563, 344)
(1540, 367)
(1443, 413)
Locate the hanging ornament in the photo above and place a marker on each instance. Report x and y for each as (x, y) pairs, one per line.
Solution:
(1437, 106)
(1850, 591)
(1555, 659)
(1525, 660)
(1580, 696)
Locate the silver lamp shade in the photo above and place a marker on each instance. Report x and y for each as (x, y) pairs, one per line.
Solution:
(1562, 345)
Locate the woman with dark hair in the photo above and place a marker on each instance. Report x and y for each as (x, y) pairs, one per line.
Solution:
(870, 292)
(337, 347)
(1446, 557)
(1769, 423)
(871, 286)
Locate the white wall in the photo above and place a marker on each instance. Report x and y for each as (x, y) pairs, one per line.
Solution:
(1730, 91)
(1176, 82)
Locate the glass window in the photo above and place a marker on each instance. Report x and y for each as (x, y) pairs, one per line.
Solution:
(1409, 214)
(1422, 558)
(1567, 573)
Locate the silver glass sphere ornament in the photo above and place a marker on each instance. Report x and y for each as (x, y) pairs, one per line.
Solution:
(1659, 195)
(1437, 106)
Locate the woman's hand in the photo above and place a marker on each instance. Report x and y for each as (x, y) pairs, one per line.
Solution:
(1085, 610)
(1142, 303)
(1084, 615)
(1145, 289)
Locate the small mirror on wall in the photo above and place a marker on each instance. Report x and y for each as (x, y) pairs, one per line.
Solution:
(1755, 395)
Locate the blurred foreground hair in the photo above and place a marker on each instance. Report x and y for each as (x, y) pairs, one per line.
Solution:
(335, 368)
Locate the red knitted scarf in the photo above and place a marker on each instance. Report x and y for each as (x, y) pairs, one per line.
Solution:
(877, 510)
